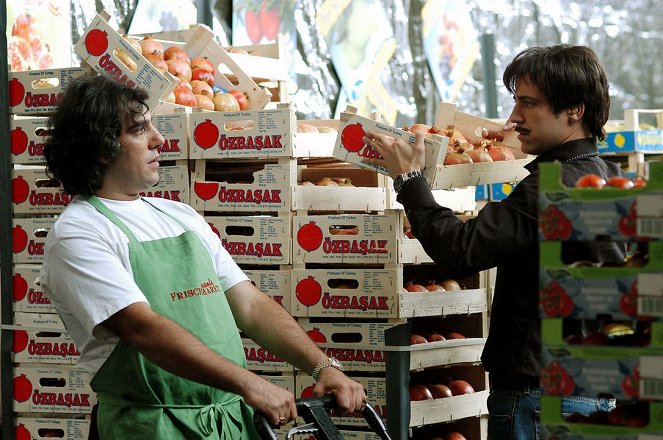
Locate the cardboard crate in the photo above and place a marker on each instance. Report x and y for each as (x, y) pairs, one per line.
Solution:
(28, 135)
(587, 213)
(242, 186)
(376, 393)
(48, 347)
(174, 129)
(633, 139)
(98, 47)
(255, 239)
(275, 283)
(26, 292)
(230, 70)
(52, 389)
(285, 380)
(649, 427)
(38, 92)
(252, 134)
(29, 237)
(456, 199)
(39, 321)
(345, 433)
(33, 192)
(359, 346)
(316, 145)
(37, 428)
(346, 238)
(173, 184)
(590, 292)
(259, 359)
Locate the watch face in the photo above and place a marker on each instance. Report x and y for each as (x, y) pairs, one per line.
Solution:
(398, 183)
(336, 364)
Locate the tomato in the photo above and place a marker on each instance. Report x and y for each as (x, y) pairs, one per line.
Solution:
(639, 182)
(590, 181)
(619, 182)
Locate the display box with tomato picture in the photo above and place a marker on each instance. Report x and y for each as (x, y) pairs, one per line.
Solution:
(621, 372)
(38, 92)
(173, 184)
(346, 238)
(255, 239)
(586, 213)
(629, 420)
(243, 186)
(44, 347)
(174, 129)
(589, 292)
(376, 394)
(33, 192)
(360, 346)
(249, 134)
(37, 428)
(29, 237)
(28, 135)
(275, 283)
(52, 389)
(259, 359)
(26, 292)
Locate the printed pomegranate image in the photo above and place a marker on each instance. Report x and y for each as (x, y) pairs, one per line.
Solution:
(19, 341)
(19, 287)
(206, 134)
(351, 137)
(316, 335)
(307, 392)
(20, 190)
(309, 236)
(215, 230)
(22, 433)
(96, 42)
(16, 92)
(308, 291)
(19, 141)
(19, 239)
(22, 388)
(205, 190)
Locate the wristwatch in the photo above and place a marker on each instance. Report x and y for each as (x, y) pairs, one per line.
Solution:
(401, 179)
(331, 362)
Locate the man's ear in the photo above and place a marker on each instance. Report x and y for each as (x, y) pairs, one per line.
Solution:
(576, 112)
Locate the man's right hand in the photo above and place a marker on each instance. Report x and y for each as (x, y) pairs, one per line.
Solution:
(275, 403)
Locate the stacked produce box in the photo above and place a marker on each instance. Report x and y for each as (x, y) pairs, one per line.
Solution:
(602, 332)
(50, 396)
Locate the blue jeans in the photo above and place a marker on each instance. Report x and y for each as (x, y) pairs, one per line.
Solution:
(514, 414)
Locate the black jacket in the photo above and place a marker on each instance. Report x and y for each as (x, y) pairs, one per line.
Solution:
(505, 234)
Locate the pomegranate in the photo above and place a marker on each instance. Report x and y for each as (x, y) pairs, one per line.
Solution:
(417, 339)
(411, 287)
(450, 285)
(454, 436)
(19, 239)
(201, 74)
(308, 291)
(439, 391)
(419, 392)
(500, 152)
(459, 387)
(351, 137)
(225, 102)
(202, 88)
(16, 92)
(306, 128)
(206, 190)
(22, 388)
(316, 335)
(19, 141)
(20, 190)
(206, 134)
(184, 96)
(149, 45)
(479, 155)
(419, 128)
(455, 335)
(202, 63)
(22, 433)
(19, 341)
(19, 287)
(241, 97)
(433, 287)
(204, 102)
(454, 135)
(179, 68)
(309, 236)
(457, 156)
(174, 52)
(435, 337)
(96, 42)
(326, 181)
(157, 62)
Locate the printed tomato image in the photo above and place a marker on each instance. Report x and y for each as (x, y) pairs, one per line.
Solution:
(309, 236)
(351, 137)
(19, 287)
(20, 190)
(252, 23)
(19, 141)
(308, 291)
(22, 388)
(556, 381)
(19, 341)
(628, 303)
(554, 224)
(19, 239)
(590, 181)
(270, 20)
(96, 42)
(555, 301)
(16, 92)
(316, 335)
(627, 225)
(206, 190)
(631, 386)
(206, 134)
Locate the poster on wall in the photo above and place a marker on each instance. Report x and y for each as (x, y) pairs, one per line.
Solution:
(153, 16)
(361, 43)
(35, 40)
(450, 43)
(262, 21)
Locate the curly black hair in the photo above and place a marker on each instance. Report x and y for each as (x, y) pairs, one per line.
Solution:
(567, 76)
(83, 133)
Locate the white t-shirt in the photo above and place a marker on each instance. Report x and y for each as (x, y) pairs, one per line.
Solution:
(86, 270)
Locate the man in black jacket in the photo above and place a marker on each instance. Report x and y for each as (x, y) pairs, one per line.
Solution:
(561, 105)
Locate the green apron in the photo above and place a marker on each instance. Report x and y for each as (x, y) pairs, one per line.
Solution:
(138, 399)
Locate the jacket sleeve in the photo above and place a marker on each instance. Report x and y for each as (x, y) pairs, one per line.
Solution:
(500, 230)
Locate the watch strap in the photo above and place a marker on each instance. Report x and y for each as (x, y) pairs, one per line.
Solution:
(329, 362)
(403, 178)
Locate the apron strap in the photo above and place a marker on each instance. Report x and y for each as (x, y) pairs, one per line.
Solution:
(110, 215)
(164, 212)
